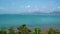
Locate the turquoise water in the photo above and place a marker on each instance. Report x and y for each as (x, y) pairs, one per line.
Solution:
(34, 20)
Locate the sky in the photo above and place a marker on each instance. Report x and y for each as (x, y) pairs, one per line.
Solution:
(28, 6)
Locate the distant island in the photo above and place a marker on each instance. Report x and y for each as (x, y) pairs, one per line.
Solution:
(55, 12)
(38, 12)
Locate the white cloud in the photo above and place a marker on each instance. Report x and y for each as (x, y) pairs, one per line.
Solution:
(58, 7)
(3, 9)
(28, 6)
(44, 7)
(47, 9)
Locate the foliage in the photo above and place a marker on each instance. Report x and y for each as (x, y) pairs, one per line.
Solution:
(51, 31)
(37, 31)
(3, 31)
(23, 29)
(11, 31)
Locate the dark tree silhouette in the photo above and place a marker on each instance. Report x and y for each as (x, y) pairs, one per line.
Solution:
(23, 29)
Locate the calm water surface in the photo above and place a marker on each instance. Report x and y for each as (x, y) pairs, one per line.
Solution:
(30, 20)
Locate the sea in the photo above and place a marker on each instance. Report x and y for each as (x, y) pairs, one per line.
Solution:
(42, 21)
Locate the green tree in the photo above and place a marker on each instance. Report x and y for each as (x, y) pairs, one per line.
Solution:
(11, 31)
(51, 31)
(57, 31)
(37, 31)
(23, 29)
(3, 31)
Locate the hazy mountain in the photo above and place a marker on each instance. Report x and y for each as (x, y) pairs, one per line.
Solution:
(55, 12)
(37, 12)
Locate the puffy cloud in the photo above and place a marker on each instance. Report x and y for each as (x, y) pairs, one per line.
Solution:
(27, 6)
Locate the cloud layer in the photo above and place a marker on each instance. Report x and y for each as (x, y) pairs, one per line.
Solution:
(19, 6)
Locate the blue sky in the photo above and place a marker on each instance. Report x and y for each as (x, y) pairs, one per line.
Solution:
(25, 6)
